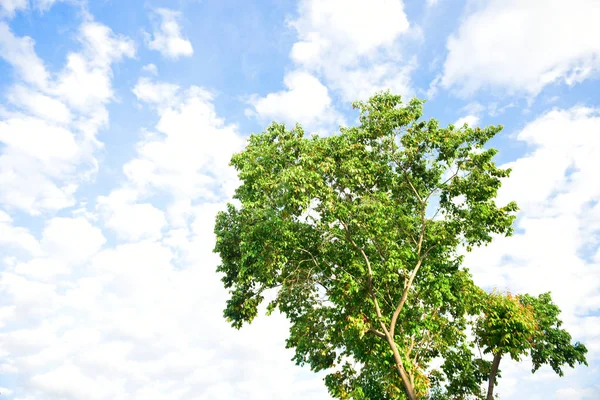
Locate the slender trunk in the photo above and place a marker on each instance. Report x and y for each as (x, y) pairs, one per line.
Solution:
(408, 385)
(493, 372)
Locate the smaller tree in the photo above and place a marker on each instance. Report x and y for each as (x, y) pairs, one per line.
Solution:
(525, 325)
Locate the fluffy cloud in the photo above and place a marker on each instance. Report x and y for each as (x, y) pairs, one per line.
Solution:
(45, 5)
(348, 47)
(49, 131)
(150, 68)
(362, 26)
(557, 238)
(65, 243)
(142, 319)
(20, 53)
(85, 83)
(159, 94)
(9, 7)
(522, 46)
(131, 221)
(189, 153)
(353, 44)
(470, 120)
(120, 300)
(576, 394)
(72, 240)
(40, 105)
(167, 38)
(17, 237)
(305, 101)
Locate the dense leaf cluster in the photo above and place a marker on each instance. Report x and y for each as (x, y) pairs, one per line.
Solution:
(356, 236)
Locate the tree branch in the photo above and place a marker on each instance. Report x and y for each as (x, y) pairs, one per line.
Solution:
(369, 277)
(377, 333)
(412, 275)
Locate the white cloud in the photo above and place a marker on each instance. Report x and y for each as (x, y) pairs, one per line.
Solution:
(72, 240)
(522, 46)
(70, 382)
(160, 94)
(82, 317)
(20, 53)
(45, 5)
(306, 101)
(555, 186)
(53, 146)
(364, 27)
(349, 47)
(41, 152)
(150, 68)
(10, 7)
(354, 45)
(576, 394)
(167, 39)
(126, 323)
(65, 243)
(42, 269)
(41, 105)
(17, 237)
(136, 327)
(49, 133)
(470, 120)
(189, 154)
(131, 221)
(85, 83)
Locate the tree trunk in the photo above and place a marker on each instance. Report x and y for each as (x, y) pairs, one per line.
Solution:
(493, 372)
(410, 389)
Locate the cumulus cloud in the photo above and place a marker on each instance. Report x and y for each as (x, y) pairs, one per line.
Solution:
(38, 104)
(49, 131)
(120, 299)
(167, 38)
(353, 44)
(45, 5)
(85, 83)
(555, 245)
(150, 68)
(20, 53)
(305, 101)
(344, 47)
(17, 237)
(188, 154)
(160, 94)
(10, 7)
(522, 46)
(470, 120)
(131, 221)
(323, 24)
(141, 318)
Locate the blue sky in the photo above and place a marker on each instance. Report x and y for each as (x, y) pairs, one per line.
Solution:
(117, 122)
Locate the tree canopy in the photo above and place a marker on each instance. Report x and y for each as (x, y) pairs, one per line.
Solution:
(525, 325)
(357, 238)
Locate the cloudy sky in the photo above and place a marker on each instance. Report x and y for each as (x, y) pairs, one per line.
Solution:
(117, 122)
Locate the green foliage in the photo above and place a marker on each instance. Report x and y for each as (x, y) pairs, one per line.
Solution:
(356, 236)
(526, 325)
(508, 326)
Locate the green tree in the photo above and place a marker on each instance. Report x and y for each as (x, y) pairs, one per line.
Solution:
(355, 236)
(525, 325)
